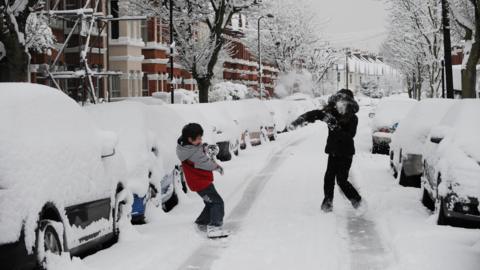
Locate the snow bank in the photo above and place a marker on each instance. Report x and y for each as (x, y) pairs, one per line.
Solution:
(49, 152)
(390, 111)
(415, 127)
(136, 142)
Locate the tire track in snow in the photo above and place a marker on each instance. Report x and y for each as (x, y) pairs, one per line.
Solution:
(203, 256)
(367, 250)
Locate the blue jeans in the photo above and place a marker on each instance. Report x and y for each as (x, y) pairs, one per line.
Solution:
(213, 211)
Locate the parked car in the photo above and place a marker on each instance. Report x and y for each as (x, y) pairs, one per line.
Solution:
(167, 123)
(410, 137)
(280, 110)
(386, 118)
(60, 178)
(451, 158)
(226, 132)
(254, 120)
(139, 147)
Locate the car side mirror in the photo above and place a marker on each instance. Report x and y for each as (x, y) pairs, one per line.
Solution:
(438, 133)
(371, 115)
(109, 142)
(436, 140)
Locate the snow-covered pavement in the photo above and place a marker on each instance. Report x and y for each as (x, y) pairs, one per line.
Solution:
(273, 196)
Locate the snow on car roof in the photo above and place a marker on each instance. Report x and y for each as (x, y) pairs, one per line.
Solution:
(391, 110)
(135, 141)
(413, 130)
(463, 118)
(49, 151)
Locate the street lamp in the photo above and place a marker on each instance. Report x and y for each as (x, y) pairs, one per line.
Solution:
(171, 54)
(260, 71)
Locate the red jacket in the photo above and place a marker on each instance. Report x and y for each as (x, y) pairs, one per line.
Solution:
(197, 179)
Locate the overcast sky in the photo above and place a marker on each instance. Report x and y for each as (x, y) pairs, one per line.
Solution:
(353, 23)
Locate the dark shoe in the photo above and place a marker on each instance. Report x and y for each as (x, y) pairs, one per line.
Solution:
(357, 203)
(201, 227)
(327, 205)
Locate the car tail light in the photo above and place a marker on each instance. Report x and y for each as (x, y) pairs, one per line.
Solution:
(386, 130)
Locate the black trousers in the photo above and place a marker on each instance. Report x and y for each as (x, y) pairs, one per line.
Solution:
(338, 168)
(213, 211)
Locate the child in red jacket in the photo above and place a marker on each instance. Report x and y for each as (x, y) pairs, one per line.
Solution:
(198, 169)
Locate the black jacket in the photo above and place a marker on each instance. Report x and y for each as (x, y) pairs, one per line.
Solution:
(342, 130)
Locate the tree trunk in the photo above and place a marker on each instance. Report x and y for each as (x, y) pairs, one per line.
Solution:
(13, 67)
(469, 74)
(203, 88)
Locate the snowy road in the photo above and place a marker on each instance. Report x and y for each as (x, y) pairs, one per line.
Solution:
(273, 195)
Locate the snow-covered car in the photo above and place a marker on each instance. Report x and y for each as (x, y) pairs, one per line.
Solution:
(60, 178)
(388, 114)
(166, 123)
(280, 111)
(451, 158)
(410, 137)
(226, 132)
(254, 120)
(207, 116)
(139, 147)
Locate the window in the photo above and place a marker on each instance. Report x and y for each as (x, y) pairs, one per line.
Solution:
(114, 24)
(144, 26)
(145, 85)
(115, 86)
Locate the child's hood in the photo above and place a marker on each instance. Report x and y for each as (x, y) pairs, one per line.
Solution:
(186, 151)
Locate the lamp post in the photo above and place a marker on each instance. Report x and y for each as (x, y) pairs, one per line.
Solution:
(172, 97)
(260, 71)
(447, 49)
(347, 55)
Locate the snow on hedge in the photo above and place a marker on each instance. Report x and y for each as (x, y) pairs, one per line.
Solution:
(413, 130)
(180, 96)
(50, 151)
(227, 91)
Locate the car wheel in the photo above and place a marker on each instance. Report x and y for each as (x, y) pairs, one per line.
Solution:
(427, 201)
(374, 149)
(48, 240)
(170, 203)
(236, 152)
(120, 210)
(403, 178)
(442, 218)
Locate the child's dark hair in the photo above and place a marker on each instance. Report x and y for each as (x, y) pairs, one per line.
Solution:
(192, 131)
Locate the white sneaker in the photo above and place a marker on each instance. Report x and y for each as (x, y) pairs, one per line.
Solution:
(216, 232)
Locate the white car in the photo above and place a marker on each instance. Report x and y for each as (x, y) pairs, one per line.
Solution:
(139, 147)
(60, 179)
(386, 118)
(410, 137)
(451, 157)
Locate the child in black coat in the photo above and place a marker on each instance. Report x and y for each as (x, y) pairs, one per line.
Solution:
(339, 114)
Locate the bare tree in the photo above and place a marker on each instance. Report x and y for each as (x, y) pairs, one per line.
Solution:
(199, 29)
(466, 15)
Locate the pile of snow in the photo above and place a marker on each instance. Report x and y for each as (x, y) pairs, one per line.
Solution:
(227, 91)
(390, 111)
(413, 131)
(50, 151)
(250, 114)
(180, 96)
(136, 142)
